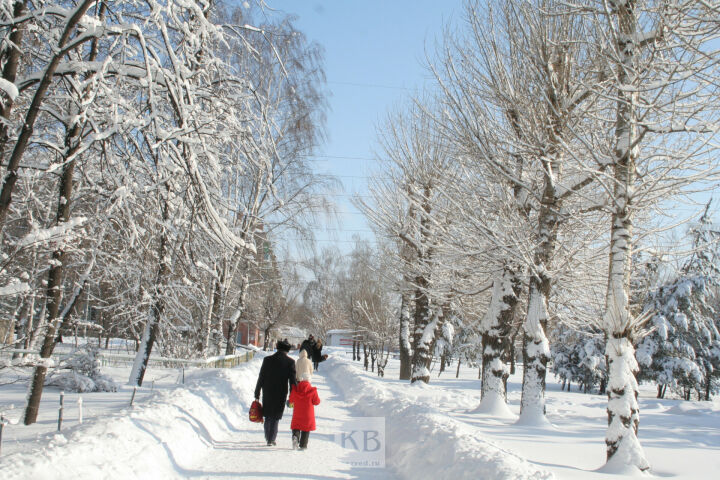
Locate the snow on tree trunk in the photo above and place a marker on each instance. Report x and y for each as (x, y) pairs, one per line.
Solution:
(34, 109)
(623, 448)
(143, 354)
(495, 330)
(422, 353)
(405, 348)
(56, 275)
(206, 328)
(233, 324)
(216, 323)
(10, 57)
(536, 352)
(152, 327)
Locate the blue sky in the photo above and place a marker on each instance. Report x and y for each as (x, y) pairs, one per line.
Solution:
(374, 60)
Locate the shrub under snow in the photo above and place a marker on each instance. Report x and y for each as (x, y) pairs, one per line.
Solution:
(81, 373)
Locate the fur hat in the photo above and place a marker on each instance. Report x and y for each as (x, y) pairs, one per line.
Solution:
(303, 353)
(283, 346)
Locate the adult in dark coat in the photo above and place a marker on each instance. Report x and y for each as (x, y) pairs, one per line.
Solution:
(317, 355)
(309, 346)
(277, 375)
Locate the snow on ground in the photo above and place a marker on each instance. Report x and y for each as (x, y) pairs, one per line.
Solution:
(201, 430)
(681, 439)
(420, 437)
(197, 430)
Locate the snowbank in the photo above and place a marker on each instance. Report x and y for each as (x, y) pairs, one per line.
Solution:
(423, 443)
(156, 439)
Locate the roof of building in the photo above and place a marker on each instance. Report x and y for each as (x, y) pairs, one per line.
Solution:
(339, 331)
(287, 331)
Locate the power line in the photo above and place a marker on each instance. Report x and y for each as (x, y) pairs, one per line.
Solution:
(342, 157)
(371, 85)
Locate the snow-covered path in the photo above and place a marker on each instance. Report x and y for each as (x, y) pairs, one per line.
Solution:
(244, 453)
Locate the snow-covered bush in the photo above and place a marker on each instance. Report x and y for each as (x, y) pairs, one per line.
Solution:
(683, 350)
(578, 356)
(81, 373)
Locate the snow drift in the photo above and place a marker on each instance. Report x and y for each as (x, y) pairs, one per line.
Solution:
(421, 441)
(156, 439)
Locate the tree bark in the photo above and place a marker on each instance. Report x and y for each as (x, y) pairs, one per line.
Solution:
(623, 446)
(495, 330)
(33, 111)
(54, 286)
(421, 346)
(536, 348)
(405, 349)
(157, 308)
(234, 321)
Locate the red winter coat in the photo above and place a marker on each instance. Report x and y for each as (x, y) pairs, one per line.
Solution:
(305, 397)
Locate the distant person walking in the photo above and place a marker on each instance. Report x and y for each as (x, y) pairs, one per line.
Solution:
(277, 376)
(317, 355)
(303, 398)
(308, 345)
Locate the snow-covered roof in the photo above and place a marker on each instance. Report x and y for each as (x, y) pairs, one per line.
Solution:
(339, 331)
(292, 332)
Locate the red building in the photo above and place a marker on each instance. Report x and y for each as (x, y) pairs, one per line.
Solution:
(246, 334)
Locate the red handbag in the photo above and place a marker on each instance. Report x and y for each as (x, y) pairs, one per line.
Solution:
(256, 413)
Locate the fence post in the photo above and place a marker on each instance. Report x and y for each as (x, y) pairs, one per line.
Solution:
(2, 425)
(60, 412)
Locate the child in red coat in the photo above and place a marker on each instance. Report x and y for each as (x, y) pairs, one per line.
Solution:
(304, 397)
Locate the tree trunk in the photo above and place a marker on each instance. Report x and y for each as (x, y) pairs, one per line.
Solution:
(536, 351)
(33, 111)
(421, 341)
(405, 349)
(623, 446)
(206, 333)
(10, 60)
(266, 339)
(423, 352)
(157, 308)
(216, 317)
(232, 327)
(55, 276)
(365, 355)
(495, 330)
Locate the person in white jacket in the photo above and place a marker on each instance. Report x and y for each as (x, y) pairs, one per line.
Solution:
(303, 366)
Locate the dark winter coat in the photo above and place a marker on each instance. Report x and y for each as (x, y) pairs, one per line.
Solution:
(309, 346)
(276, 375)
(304, 397)
(317, 353)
